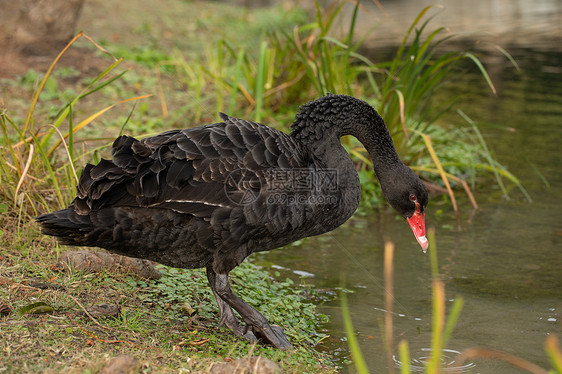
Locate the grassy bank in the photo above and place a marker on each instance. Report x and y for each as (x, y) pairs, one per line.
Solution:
(260, 65)
(168, 324)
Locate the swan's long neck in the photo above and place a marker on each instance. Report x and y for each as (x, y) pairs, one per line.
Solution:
(376, 139)
(320, 125)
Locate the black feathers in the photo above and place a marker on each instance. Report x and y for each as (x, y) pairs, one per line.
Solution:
(212, 195)
(187, 197)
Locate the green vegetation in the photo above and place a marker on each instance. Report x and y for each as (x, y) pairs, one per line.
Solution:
(49, 330)
(284, 301)
(267, 84)
(53, 122)
(291, 67)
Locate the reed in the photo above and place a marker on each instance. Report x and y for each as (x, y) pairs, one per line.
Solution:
(269, 82)
(442, 326)
(441, 331)
(291, 67)
(356, 354)
(30, 157)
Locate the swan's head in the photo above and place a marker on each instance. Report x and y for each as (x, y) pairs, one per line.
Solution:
(406, 193)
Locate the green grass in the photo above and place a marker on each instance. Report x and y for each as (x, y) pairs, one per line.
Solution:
(286, 68)
(292, 66)
(50, 128)
(38, 170)
(285, 304)
(151, 325)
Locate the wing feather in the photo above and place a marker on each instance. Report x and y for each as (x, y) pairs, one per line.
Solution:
(190, 171)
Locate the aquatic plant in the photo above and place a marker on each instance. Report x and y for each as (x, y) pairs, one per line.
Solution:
(441, 329)
(289, 68)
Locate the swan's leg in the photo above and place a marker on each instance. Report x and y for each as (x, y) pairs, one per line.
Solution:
(228, 318)
(254, 319)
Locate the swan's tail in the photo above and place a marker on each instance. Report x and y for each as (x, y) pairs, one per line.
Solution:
(70, 228)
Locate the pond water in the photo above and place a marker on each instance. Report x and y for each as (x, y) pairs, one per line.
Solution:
(506, 262)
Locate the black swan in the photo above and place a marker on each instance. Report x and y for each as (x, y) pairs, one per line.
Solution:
(209, 196)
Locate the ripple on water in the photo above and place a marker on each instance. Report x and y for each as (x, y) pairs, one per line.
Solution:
(419, 358)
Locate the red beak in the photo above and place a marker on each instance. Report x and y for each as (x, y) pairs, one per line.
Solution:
(417, 224)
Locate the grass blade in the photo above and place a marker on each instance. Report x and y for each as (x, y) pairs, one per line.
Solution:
(552, 347)
(235, 80)
(537, 172)
(404, 352)
(482, 70)
(509, 57)
(498, 355)
(452, 319)
(356, 354)
(437, 326)
(389, 303)
(70, 159)
(433, 253)
(491, 161)
(4, 120)
(92, 117)
(402, 116)
(260, 80)
(50, 173)
(427, 140)
(24, 173)
(66, 111)
(453, 177)
(44, 81)
(105, 83)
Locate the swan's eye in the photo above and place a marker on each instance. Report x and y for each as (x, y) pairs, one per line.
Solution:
(413, 197)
